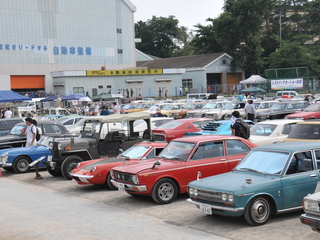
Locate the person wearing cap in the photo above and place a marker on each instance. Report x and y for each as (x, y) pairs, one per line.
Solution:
(158, 113)
(250, 110)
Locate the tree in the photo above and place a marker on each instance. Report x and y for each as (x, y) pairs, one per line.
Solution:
(161, 36)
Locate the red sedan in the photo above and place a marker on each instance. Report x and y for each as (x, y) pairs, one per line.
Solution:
(97, 171)
(310, 112)
(182, 161)
(178, 128)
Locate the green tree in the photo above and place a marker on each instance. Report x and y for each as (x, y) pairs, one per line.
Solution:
(161, 36)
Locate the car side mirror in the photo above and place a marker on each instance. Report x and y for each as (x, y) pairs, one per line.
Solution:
(157, 163)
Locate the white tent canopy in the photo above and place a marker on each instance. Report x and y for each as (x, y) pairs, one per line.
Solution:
(254, 79)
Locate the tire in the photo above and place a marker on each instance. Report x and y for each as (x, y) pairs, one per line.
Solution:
(257, 211)
(164, 191)
(108, 182)
(20, 164)
(223, 117)
(184, 116)
(68, 164)
(55, 172)
(203, 115)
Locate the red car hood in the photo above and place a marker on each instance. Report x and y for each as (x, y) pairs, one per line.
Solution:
(136, 167)
(304, 114)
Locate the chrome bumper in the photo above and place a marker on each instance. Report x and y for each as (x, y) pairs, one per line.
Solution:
(5, 164)
(130, 187)
(217, 207)
(81, 176)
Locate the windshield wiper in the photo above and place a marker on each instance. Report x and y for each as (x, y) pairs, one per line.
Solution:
(250, 170)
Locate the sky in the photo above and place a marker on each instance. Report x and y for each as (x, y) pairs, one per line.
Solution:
(188, 12)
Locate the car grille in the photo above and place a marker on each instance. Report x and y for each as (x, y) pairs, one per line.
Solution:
(210, 115)
(159, 137)
(209, 196)
(124, 177)
(192, 115)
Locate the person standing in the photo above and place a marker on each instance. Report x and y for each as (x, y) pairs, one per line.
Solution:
(250, 110)
(131, 92)
(86, 109)
(235, 126)
(116, 108)
(240, 97)
(8, 113)
(158, 113)
(160, 91)
(31, 133)
(165, 92)
(186, 89)
(96, 109)
(180, 91)
(140, 92)
(105, 111)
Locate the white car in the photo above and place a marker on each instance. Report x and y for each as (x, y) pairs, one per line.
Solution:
(226, 111)
(272, 131)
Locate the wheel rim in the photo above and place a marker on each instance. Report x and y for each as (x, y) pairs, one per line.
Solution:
(72, 165)
(166, 191)
(260, 210)
(23, 165)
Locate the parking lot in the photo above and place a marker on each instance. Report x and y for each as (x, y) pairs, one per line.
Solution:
(179, 215)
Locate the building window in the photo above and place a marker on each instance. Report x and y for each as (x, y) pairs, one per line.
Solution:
(224, 62)
(78, 90)
(119, 30)
(187, 83)
(119, 51)
(100, 86)
(108, 86)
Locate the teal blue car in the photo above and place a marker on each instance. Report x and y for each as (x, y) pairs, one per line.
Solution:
(270, 179)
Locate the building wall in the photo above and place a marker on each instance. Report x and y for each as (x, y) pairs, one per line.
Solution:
(41, 36)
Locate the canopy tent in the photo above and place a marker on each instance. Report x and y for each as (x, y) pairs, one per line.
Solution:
(54, 97)
(102, 96)
(11, 96)
(254, 79)
(75, 96)
(252, 90)
(84, 99)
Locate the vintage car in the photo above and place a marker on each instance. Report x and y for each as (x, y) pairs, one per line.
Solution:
(6, 124)
(97, 171)
(178, 164)
(281, 109)
(222, 127)
(177, 128)
(311, 112)
(100, 138)
(183, 113)
(206, 108)
(18, 159)
(270, 179)
(273, 131)
(311, 206)
(308, 130)
(226, 111)
(69, 121)
(16, 139)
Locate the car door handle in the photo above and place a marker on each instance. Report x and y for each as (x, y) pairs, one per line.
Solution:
(313, 175)
(223, 159)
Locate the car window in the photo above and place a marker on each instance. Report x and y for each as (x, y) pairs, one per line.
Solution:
(69, 122)
(262, 129)
(300, 162)
(208, 150)
(305, 131)
(51, 128)
(287, 128)
(236, 147)
(317, 154)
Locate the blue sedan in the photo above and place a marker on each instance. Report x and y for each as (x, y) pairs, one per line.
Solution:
(18, 159)
(270, 179)
(222, 127)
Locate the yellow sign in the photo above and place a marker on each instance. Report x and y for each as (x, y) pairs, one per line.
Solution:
(124, 72)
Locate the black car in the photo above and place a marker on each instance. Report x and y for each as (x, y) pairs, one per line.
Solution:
(15, 138)
(6, 124)
(281, 109)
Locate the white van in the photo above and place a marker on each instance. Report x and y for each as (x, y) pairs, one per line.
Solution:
(30, 106)
(289, 93)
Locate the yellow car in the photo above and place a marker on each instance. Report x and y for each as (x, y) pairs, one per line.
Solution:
(308, 130)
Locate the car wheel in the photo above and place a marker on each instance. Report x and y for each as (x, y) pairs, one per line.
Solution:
(21, 164)
(55, 172)
(68, 164)
(203, 115)
(164, 191)
(109, 183)
(184, 116)
(258, 211)
(223, 117)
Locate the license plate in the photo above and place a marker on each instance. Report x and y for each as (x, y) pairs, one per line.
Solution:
(121, 187)
(49, 159)
(205, 208)
(84, 180)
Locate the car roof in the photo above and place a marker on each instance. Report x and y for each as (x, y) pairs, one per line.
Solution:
(289, 146)
(154, 144)
(203, 138)
(278, 121)
(311, 121)
(11, 119)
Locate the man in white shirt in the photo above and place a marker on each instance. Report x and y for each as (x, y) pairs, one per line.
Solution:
(31, 132)
(96, 109)
(116, 108)
(250, 110)
(8, 113)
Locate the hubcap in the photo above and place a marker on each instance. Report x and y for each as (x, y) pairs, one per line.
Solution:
(260, 210)
(166, 191)
(23, 165)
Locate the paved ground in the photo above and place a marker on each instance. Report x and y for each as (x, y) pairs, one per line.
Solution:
(54, 208)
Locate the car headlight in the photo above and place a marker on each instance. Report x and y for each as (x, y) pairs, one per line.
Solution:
(112, 174)
(311, 205)
(224, 197)
(193, 192)
(230, 198)
(59, 146)
(135, 179)
(227, 197)
(5, 157)
(50, 145)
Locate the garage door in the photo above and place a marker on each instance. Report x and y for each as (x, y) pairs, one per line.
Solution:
(27, 82)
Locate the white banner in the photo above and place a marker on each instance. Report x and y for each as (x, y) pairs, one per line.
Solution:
(287, 84)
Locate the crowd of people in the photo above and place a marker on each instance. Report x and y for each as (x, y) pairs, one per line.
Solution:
(5, 113)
